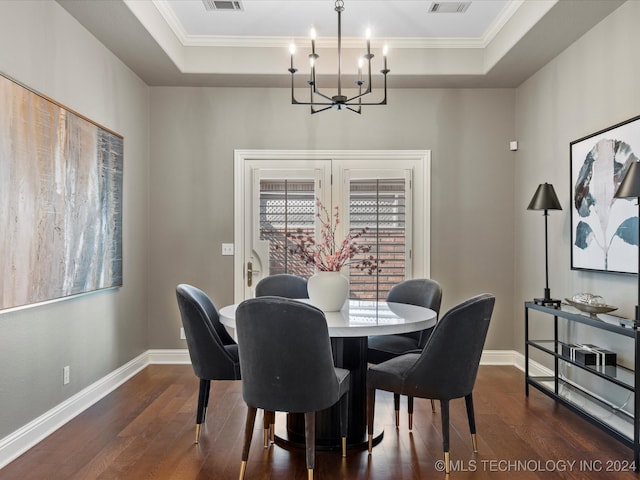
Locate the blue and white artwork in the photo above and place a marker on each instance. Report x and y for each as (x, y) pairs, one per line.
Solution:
(60, 200)
(604, 229)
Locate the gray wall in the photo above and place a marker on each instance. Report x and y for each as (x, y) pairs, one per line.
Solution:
(590, 86)
(194, 132)
(45, 48)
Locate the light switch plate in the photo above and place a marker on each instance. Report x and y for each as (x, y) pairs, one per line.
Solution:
(227, 249)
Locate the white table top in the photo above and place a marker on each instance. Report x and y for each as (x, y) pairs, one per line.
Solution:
(362, 318)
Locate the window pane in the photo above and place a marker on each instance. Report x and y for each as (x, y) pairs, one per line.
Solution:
(286, 206)
(379, 206)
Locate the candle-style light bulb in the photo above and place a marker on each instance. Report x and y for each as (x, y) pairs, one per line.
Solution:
(360, 63)
(292, 50)
(368, 37)
(385, 51)
(312, 34)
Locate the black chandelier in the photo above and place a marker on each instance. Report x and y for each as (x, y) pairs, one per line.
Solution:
(339, 101)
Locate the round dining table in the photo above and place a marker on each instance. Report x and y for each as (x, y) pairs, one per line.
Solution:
(349, 329)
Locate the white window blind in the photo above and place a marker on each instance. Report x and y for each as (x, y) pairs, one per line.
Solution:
(379, 205)
(285, 207)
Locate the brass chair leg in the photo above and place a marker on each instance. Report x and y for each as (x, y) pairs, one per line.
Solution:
(474, 441)
(447, 467)
(197, 433)
(344, 446)
(310, 442)
(269, 428)
(371, 408)
(433, 406)
(411, 421)
(248, 433)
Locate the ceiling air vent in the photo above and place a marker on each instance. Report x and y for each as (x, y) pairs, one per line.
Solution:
(227, 5)
(449, 7)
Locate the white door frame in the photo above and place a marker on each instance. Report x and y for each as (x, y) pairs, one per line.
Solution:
(241, 184)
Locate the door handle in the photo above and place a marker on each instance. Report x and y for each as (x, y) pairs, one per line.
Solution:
(250, 272)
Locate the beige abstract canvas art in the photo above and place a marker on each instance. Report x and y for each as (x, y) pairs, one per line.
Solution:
(60, 200)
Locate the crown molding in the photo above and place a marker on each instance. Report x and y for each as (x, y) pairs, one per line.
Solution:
(249, 41)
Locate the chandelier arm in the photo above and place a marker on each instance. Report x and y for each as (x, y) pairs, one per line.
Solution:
(356, 97)
(381, 102)
(317, 92)
(369, 57)
(293, 97)
(333, 104)
(384, 73)
(330, 104)
(321, 110)
(313, 76)
(359, 97)
(346, 104)
(313, 91)
(295, 101)
(366, 104)
(358, 110)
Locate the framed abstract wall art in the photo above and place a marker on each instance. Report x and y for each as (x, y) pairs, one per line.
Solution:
(604, 229)
(60, 200)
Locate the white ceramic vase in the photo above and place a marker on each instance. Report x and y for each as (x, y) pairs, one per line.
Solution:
(328, 290)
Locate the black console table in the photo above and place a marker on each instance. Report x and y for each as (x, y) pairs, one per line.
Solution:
(622, 425)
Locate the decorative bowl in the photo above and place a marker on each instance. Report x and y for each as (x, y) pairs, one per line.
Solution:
(591, 308)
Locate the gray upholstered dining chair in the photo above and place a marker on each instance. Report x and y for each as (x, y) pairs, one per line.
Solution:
(445, 370)
(279, 285)
(214, 354)
(423, 292)
(282, 285)
(287, 366)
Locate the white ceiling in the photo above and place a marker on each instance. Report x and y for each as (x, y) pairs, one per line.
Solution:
(494, 43)
(294, 18)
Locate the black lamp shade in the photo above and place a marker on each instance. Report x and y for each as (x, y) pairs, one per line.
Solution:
(630, 184)
(545, 198)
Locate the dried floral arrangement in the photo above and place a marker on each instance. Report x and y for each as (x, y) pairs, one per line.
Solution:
(329, 255)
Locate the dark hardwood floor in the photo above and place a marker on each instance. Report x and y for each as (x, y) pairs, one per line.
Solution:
(145, 430)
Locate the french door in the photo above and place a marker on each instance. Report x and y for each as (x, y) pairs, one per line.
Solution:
(384, 192)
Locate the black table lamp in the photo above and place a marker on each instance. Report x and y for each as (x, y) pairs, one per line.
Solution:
(630, 187)
(545, 199)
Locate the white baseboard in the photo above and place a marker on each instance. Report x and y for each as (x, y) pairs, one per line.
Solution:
(516, 359)
(500, 357)
(169, 357)
(18, 442)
